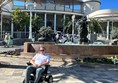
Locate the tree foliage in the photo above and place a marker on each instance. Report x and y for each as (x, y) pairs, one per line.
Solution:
(114, 31)
(36, 23)
(47, 33)
(94, 25)
(20, 19)
(67, 23)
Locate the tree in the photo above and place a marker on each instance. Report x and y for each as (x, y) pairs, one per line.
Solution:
(20, 18)
(114, 33)
(67, 23)
(36, 23)
(94, 25)
(47, 33)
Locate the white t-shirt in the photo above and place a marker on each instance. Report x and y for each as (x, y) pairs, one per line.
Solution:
(40, 58)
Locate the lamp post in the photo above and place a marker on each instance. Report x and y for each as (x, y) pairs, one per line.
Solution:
(30, 25)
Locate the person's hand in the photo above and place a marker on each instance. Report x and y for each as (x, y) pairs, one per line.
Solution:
(36, 65)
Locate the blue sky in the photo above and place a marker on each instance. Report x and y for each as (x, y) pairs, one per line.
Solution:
(105, 4)
(109, 4)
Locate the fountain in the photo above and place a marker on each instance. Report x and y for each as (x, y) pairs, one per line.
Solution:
(71, 50)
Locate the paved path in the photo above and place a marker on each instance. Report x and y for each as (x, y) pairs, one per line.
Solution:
(14, 71)
(4, 49)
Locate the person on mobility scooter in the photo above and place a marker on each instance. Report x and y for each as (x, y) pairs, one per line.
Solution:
(39, 68)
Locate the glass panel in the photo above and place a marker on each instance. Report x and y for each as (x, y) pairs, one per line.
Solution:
(77, 8)
(68, 8)
(63, 5)
(50, 5)
(18, 3)
(50, 20)
(60, 6)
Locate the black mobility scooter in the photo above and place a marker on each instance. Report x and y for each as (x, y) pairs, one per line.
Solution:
(46, 76)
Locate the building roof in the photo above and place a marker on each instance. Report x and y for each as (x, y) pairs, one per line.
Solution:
(105, 14)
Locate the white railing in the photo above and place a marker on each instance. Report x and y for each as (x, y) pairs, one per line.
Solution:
(18, 34)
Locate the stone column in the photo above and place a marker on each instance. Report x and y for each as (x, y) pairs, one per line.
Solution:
(1, 25)
(45, 18)
(55, 22)
(112, 29)
(35, 15)
(64, 17)
(108, 30)
(12, 28)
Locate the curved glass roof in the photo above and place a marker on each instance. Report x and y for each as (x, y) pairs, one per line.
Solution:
(66, 2)
(55, 5)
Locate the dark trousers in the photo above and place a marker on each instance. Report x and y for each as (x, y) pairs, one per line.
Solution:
(31, 69)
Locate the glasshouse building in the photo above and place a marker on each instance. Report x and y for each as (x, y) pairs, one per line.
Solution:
(53, 13)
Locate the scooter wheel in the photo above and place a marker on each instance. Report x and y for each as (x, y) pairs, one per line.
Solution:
(50, 79)
(24, 81)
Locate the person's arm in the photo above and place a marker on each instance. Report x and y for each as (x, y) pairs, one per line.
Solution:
(37, 65)
(45, 63)
(33, 63)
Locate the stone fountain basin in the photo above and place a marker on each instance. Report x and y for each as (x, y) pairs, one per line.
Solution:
(60, 50)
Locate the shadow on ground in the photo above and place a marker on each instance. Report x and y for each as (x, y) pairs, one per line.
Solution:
(75, 73)
(8, 65)
(83, 74)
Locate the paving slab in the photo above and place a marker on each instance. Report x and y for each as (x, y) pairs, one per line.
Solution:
(13, 71)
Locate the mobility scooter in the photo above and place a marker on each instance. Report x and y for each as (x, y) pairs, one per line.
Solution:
(46, 77)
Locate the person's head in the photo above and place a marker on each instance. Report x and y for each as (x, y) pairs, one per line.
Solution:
(6, 33)
(42, 50)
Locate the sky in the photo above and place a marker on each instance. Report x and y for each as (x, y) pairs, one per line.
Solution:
(109, 4)
(105, 4)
